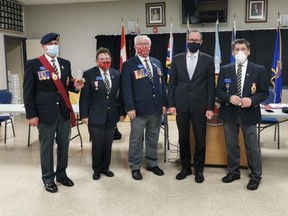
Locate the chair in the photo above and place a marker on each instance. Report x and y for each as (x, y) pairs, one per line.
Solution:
(269, 121)
(6, 98)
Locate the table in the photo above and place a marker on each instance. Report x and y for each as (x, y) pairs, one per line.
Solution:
(19, 108)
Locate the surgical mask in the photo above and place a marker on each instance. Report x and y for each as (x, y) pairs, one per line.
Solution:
(104, 65)
(193, 47)
(143, 51)
(240, 57)
(52, 50)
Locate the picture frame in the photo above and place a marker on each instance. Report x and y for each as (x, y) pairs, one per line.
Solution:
(256, 11)
(155, 14)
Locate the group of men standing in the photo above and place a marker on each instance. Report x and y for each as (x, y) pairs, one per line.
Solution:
(140, 92)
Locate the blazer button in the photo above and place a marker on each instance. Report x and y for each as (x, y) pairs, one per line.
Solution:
(107, 97)
(108, 108)
(57, 103)
(153, 95)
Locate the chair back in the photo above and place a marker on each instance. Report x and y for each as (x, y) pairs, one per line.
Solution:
(5, 97)
(270, 99)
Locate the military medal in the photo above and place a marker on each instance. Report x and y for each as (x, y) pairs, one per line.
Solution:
(54, 76)
(253, 88)
(96, 85)
(227, 84)
(139, 74)
(47, 75)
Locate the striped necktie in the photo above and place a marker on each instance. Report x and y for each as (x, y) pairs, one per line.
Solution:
(106, 82)
(148, 70)
(54, 66)
(239, 79)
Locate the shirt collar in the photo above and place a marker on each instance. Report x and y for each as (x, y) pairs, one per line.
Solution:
(49, 58)
(102, 72)
(243, 65)
(193, 55)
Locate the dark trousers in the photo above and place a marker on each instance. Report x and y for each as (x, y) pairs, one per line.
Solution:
(102, 138)
(251, 146)
(62, 129)
(198, 122)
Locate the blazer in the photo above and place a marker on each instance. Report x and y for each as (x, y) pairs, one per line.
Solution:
(41, 96)
(196, 95)
(255, 87)
(141, 94)
(95, 104)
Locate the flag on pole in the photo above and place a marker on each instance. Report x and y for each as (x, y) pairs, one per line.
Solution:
(137, 27)
(187, 34)
(169, 53)
(217, 54)
(123, 51)
(232, 58)
(277, 67)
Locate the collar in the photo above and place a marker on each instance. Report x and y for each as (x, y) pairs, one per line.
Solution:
(142, 58)
(193, 55)
(102, 72)
(50, 58)
(243, 65)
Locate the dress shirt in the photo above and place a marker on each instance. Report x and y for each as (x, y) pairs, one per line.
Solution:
(107, 75)
(56, 63)
(191, 58)
(244, 69)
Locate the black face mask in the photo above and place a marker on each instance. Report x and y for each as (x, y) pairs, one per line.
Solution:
(193, 47)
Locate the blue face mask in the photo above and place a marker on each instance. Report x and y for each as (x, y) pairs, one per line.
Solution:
(52, 50)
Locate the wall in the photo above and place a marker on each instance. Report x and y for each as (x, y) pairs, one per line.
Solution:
(78, 24)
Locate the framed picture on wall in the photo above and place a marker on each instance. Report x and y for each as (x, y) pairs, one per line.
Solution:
(155, 14)
(256, 11)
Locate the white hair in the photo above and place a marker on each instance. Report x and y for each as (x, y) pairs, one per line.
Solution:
(141, 37)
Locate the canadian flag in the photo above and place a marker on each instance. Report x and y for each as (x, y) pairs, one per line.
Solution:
(123, 53)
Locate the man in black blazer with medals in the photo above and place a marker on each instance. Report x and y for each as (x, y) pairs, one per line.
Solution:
(191, 96)
(242, 86)
(100, 108)
(47, 80)
(144, 96)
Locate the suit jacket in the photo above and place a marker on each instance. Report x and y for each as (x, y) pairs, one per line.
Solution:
(255, 87)
(94, 103)
(141, 94)
(41, 96)
(196, 95)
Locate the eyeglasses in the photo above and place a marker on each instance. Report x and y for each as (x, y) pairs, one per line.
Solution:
(194, 40)
(104, 59)
(143, 44)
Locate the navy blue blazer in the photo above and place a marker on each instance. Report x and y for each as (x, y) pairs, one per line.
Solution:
(255, 87)
(41, 96)
(143, 95)
(95, 104)
(196, 95)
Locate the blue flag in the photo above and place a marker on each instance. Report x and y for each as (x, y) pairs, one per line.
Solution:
(169, 53)
(217, 54)
(277, 68)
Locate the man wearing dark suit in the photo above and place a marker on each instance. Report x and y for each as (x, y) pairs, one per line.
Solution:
(241, 95)
(100, 109)
(191, 96)
(47, 109)
(144, 96)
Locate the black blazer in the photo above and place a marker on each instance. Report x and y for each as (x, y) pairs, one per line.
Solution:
(94, 103)
(196, 95)
(145, 97)
(41, 97)
(255, 87)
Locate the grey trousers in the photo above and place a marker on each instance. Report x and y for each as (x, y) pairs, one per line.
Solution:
(252, 151)
(62, 129)
(151, 124)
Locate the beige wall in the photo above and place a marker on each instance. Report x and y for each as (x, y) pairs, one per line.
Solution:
(78, 24)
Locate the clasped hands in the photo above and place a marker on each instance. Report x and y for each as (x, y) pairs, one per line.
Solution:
(243, 102)
(78, 83)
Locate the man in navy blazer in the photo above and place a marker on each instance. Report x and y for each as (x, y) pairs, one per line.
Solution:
(144, 96)
(100, 105)
(46, 109)
(240, 109)
(191, 96)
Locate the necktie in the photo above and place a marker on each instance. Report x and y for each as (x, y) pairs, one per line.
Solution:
(239, 79)
(192, 65)
(106, 82)
(148, 70)
(54, 66)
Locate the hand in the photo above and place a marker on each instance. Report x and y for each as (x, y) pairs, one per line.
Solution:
(246, 102)
(33, 121)
(122, 118)
(209, 114)
(132, 114)
(85, 121)
(79, 83)
(172, 110)
(164, 110)
(235, 100)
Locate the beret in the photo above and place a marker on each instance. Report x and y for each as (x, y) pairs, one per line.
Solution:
(49, 37)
